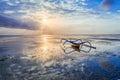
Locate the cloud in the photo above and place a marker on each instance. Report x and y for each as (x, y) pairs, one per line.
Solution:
(106, 4)
(9, 12)
(23, 8)
(118, 11)
(54, 6)
(13, 23)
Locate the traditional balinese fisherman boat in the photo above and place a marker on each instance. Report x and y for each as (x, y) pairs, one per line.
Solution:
(76, 44)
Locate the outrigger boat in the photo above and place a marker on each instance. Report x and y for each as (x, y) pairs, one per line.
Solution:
(76, 44)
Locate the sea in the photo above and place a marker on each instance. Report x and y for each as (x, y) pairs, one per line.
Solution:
(46, 57)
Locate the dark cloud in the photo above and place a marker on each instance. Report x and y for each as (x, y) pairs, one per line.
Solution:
(13, 23)
(106, 4)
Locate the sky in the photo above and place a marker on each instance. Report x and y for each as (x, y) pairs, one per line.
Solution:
(59, 17)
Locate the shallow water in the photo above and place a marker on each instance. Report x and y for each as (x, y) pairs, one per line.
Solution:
(42, 58)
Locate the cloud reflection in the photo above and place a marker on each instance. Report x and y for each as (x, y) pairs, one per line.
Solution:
(43, 59)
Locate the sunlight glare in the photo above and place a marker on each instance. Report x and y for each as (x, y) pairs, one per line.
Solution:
(44, 39)
(44, 20)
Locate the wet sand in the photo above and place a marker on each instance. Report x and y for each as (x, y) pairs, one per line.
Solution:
(42, 58)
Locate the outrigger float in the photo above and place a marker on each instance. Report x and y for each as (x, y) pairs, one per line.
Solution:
(76, 44)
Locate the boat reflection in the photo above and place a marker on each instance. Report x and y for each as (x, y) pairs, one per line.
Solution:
(72, 49)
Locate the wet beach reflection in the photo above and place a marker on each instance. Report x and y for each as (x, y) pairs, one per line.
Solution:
(41, 58)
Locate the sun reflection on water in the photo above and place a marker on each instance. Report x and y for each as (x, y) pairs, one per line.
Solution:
(46, 49)
(44, 38)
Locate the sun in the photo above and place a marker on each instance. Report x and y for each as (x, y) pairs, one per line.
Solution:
(44, 20)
